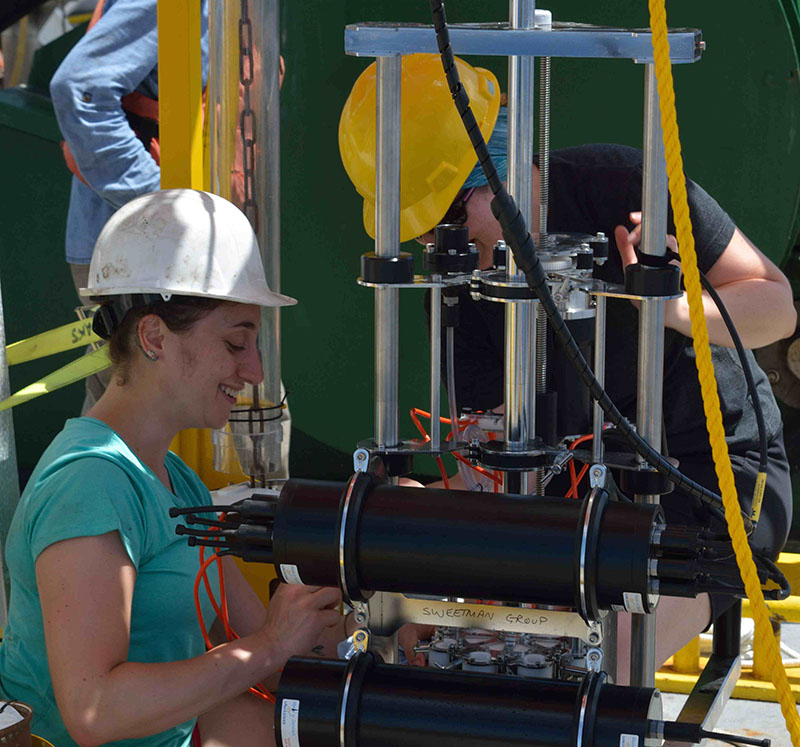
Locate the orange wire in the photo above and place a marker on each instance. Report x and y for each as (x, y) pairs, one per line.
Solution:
(576, 479)
(420, 427)
(257, 690)
(416, 413)
(201, 574)
(443, 473)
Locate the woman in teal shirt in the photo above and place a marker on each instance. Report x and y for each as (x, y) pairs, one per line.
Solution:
(103, 639)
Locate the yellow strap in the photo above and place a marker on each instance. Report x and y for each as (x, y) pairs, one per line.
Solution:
(77, 18)
(79, 369)
(758, 497)
(705, 368)
(68, 336)
(19, 57)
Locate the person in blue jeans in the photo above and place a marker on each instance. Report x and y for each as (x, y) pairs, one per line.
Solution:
(103, 640)
(105, 97)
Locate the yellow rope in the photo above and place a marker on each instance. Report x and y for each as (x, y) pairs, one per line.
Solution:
(708, 384)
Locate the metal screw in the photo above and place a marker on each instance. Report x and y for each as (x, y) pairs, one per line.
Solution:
(594, 656)
(360, 617)
(594, 638)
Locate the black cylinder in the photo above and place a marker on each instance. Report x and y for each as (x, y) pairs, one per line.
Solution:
(462, 543)
(396, 706)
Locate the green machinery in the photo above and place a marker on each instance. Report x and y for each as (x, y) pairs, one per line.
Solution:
(739, 113)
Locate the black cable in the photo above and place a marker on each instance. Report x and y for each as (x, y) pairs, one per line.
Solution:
(176, 511)
(192, 519)
(776, 574)
(517, 236)
(197, 542)
(746, 369)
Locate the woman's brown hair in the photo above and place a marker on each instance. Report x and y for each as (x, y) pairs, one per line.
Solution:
(180, 314)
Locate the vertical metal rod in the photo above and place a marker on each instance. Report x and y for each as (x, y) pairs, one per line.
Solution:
(600, 375)
(728, 632)
(544, 143)
(436, 362)
(651, 344)
(544, 198)
(519, 330)
(387, 244)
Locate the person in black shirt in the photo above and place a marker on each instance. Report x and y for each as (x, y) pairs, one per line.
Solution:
(598, 188)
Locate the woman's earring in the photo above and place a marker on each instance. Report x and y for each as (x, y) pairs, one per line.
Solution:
(151, 355)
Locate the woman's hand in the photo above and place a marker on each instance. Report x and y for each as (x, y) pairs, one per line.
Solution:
(298, 615)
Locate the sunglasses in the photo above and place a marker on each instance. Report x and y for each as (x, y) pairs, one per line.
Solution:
(457, 212)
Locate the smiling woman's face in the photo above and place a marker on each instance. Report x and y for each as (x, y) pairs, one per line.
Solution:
(211, 363)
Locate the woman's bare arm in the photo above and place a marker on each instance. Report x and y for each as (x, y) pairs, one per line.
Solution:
(86, 588)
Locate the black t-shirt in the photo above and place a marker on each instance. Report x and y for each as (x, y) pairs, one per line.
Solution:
(594, 188)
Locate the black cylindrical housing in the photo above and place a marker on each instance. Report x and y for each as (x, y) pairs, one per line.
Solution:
(304, 533)
(463, 543)
(398, 706)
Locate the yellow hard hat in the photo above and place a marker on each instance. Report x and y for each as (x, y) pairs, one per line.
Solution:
(436, 154)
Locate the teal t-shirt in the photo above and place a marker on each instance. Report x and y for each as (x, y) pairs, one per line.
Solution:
(88, 482)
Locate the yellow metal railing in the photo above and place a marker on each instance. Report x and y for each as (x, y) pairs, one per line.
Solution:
(180, 94)
(681, 671)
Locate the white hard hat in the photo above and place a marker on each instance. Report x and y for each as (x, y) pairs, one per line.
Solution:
(180, 242)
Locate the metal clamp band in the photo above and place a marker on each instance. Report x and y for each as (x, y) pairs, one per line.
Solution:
(586, 574)
(586, 707)
(358, 487)
(357, 669)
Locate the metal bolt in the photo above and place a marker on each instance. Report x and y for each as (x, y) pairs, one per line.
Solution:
(594, 638)
(360, 617)
(594, 656)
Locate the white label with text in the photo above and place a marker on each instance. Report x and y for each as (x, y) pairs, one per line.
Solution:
(290, 717)
(291, 574)
(633, 602)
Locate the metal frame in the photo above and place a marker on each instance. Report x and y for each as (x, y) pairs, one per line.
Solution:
(497, 39)
(521, 40)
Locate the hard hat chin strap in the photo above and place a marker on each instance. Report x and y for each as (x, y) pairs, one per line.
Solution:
(111, 313)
